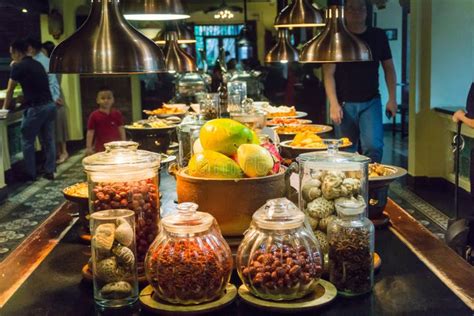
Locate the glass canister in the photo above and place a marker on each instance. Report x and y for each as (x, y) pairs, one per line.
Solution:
(351, 248)
(330, 176)
(114, 257)
(279, 257)
(188, 133)
(189, 262)
(124, 177)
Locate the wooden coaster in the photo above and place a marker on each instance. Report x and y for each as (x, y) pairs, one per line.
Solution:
(151, 303)
(377, 261)
(87, 275)
(325, 293)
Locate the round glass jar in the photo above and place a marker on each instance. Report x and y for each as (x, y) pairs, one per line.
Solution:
(189, 262)
(188, 133)
(279, 257)
(124, 177)
(328, 177)
(351, 249)
(114, 258)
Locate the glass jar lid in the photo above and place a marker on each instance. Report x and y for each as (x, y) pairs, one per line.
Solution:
(121, 154)
(187, 220)
(278, 214)
(350, 206)
(332, 156)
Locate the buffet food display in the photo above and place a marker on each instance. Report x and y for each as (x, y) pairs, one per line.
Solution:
(235, 176)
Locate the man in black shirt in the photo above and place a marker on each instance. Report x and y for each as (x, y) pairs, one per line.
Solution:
(353, 88)
(40, 111)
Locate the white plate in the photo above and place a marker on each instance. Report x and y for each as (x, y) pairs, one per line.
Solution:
(299, 114)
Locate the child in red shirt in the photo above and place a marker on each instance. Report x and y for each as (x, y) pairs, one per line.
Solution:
(105, 124)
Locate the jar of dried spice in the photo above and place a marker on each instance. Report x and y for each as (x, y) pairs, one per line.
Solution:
(189, 262)
(279, 258)
(124, 177)
(351, 248)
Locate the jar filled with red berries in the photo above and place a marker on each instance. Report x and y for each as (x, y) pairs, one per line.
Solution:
(124, 177)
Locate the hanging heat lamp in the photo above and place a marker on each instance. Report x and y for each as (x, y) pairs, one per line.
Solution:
(299, 13)
(282, 52)
(106, 44)
(335, 44)
(154, 10)
(177, 60)
(185, 35)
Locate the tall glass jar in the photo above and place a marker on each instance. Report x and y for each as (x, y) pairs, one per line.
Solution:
(189, 262)
(330, 176)
(124, 177)
(188, 133)
(114, 258)
(279, 258)
(351, 249)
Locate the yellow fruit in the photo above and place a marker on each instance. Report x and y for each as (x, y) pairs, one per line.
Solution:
(254, 160)
(226, 135)
(211, 164)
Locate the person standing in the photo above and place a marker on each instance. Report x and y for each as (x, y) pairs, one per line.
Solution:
(40, 112)
(105, 124)
(353, 88)
(36, 52)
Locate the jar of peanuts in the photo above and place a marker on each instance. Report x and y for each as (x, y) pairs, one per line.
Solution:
(124, 177)
(189, 262)
(279, 258)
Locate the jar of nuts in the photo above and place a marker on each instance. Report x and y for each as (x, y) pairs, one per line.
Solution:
(124, 177)
(279, 258)
(351, 249)
(189, 262)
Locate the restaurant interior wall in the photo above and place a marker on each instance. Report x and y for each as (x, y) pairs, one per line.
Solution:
(452, 57)
(430, 133)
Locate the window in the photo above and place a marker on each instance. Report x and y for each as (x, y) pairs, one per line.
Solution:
(210, 38)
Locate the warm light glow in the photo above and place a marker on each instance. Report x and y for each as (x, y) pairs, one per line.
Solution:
(184, 41)
(284, 61)
(24, 10)
(290, 26)
(156, 17)
(223, 14)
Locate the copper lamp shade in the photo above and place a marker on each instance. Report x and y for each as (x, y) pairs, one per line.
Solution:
(177, 60)
(282, 52)
(106, 44)
(335, 44)
(299, 13)
(185, 35)
(153, 10)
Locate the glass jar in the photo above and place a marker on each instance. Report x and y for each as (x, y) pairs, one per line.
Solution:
(250, 116)
(330, 176)
(114, 258)
(351, 249)
(188, 133)
(189, 262)
(279, 257)
(124, 177)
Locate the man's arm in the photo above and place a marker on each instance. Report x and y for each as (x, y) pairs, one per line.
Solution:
(9, 95)
(391, 81)
(122, 133)
(330, 86)
(461, 116)
(54, 89)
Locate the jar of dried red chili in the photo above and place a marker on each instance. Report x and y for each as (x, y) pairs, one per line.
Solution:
(279, 258)
(189, 262)
(124, 177)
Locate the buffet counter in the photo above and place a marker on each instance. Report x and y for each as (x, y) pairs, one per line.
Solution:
(404, 284)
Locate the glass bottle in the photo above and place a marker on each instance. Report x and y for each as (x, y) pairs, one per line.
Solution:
(124, 177)
(189, 262)
(223, 97)
(351, 249)
(114, 262)
(279, 257)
